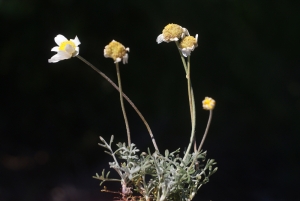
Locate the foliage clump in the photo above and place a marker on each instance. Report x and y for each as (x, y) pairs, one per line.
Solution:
(156, 176)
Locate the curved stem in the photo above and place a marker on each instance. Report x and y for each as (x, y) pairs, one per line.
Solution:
(126, 97)
(122, 104)
(206, 131)
(203, 138)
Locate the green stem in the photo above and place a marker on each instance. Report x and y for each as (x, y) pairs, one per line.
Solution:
(126, 97)
(191, 101)
(206, 130)
(189, 86)
(203, 139)
(122, 104)
(182, 57)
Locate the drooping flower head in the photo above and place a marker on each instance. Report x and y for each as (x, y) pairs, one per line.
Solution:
(116, 51)
(208, 103)
(65, 49)
(172, 32)
(188, 44)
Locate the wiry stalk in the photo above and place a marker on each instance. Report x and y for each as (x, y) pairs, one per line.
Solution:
(206, 130)
(189, 86)
(191, 100)
(203, 138)
(122, 104)
(124, 95)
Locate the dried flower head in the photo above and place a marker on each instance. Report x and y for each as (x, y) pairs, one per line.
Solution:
(65, 49)
(208, 103)
(172, 32)
(116, 51)
(188, 44)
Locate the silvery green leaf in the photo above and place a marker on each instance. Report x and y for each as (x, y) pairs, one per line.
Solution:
(112, 163)
(166, 153)
(108, 153)
(102, 145)
(134, 170)
(119, 144)
(215, 170)
(107, 174)
(191, 171)
(111, 139)
(101, 138)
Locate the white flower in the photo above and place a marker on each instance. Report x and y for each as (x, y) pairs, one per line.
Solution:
(116, 51)
(172, 32)
(65, 49)
(188, 44)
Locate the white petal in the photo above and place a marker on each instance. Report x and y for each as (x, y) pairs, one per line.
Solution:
(118, 60)
(127, 49)
(59, 39)
(54, 59)
(125, 59)
(76, 41)
(174, 39)
(61, 55)
(76, 52)
(185, 52)
(55, 49)
(160, 38)
(64, 55)
(185, 33)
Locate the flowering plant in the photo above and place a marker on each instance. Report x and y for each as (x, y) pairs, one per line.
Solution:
(151, 175)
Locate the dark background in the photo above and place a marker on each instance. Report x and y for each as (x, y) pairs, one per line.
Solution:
(52, 114)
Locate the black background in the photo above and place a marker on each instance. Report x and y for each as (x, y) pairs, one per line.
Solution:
(52, 114)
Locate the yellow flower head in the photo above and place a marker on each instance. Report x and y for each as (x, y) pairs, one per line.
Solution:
(116, 51)
(65, 49)
(172, 32)
(188, 44)
(208, 103)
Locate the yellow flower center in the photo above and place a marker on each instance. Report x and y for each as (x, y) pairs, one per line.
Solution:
(208, 103)
(64, 44)
(172, 31)
(188, 41)
(114, 50)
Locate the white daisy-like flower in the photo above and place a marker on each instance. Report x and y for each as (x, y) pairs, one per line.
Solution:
(172, 32)
(65, 49)
(188, 44)
(116, 51)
